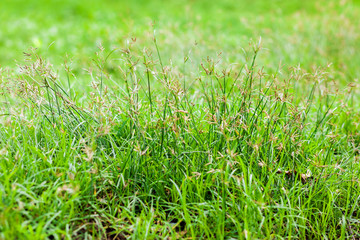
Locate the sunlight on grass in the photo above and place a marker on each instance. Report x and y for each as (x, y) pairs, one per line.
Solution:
(179, 120)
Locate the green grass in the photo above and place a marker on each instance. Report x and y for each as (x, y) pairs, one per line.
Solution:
(220, 121)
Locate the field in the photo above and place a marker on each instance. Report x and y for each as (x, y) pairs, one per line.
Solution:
(187, 119)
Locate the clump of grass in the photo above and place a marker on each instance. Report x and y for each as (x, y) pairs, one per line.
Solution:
(158, 152)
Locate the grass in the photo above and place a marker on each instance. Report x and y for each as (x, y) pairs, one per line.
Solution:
(149, 141)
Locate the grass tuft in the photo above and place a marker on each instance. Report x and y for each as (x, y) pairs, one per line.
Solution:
(156, 151)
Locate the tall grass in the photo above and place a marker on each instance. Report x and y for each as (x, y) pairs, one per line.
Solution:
(155, 151)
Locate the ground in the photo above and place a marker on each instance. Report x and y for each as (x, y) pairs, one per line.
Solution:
(179, 119)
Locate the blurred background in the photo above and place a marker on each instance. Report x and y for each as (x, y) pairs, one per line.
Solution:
(295, 32)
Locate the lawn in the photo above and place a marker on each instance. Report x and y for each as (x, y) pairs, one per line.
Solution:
(179, 119)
